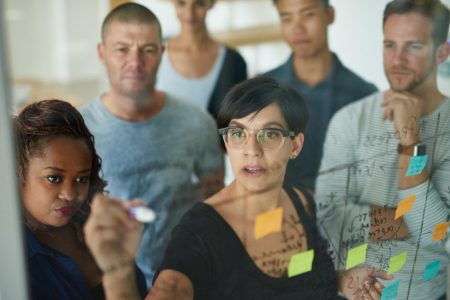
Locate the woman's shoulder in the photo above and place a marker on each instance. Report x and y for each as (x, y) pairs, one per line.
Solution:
(306, 199)
(199, 220)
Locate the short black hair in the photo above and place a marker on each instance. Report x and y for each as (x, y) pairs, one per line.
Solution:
(130, 13)
(434, 10)
(252, 95)
(326, 3)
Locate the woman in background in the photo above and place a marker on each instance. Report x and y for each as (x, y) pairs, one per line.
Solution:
(194, 66)
(58, 172)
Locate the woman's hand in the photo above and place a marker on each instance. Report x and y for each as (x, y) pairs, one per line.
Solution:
(111, 234)
(361, 283)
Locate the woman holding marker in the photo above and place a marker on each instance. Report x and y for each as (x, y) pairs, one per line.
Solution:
(255, 239)
(58, 172)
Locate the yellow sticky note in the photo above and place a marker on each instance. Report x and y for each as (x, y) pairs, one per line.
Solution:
(268, 222)
(404, 206)
(356, 256)
(397, 262)
(440, 231)
(300, 263)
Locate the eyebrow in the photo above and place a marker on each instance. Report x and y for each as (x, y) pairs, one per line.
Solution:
(126, 44)
(302, 9)
(63, 171)
(265, 125)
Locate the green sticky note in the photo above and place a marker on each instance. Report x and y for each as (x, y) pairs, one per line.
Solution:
(397, 262)
(416, 165)
(356, 256)
(300, 263)
(431, 269)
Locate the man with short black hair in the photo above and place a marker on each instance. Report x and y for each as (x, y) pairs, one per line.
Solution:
(318, 74)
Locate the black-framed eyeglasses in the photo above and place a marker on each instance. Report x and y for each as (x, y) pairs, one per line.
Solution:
(268, 138)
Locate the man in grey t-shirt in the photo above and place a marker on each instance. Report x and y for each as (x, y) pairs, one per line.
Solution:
(153, 146)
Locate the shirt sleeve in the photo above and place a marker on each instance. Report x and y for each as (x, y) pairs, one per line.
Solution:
(209, 156)
(341, 219)
(430, 207)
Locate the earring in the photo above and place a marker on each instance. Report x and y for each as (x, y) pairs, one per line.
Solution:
(293, 156)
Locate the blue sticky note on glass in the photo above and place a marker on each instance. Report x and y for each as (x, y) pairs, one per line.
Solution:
(391, 291)
(431, 269)
(416, 165)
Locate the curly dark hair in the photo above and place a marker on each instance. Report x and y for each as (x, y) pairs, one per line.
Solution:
(40, 122)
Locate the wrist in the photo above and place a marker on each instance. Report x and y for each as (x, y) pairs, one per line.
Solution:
(121, 283)
(412, 149)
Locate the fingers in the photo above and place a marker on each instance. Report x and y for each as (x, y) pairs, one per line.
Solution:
(371, 291)
(378, 286)
(404, 109)
(132, 203)
(108, 219)
(381, 274)
(106, 211)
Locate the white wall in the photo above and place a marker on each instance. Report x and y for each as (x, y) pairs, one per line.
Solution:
(357, 37)
(54, 40)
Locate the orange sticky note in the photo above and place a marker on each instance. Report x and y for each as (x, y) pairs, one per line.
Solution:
(397, 262)
(404, 206)
(300, 263)
(268, 222)
(440, 231)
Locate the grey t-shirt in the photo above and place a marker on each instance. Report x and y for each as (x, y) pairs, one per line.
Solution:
(155, 160)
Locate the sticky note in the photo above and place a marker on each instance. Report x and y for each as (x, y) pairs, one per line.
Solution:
(404, 206)
(416, 165)
(431, 269)
(440, 231)
(391, 291)
(356, 256)
(268, 222)
(300, 263)
(397, 262)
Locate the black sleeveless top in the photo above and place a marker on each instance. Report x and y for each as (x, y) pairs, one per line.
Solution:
(205, 248)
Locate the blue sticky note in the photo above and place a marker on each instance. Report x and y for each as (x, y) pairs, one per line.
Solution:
(416, 165)
(431, 269)
(391, 291)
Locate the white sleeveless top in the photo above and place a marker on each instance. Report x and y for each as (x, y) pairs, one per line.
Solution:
(194, 90)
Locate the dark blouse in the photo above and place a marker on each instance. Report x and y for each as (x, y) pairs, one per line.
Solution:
(53, 275)
(207, 250)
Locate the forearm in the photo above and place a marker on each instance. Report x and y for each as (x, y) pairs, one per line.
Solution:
(171, 285)
(383, 225)
(406, 182)
(428, 210)
(120, 283)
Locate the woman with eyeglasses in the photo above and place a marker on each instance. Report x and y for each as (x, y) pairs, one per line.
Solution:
(255, 239)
